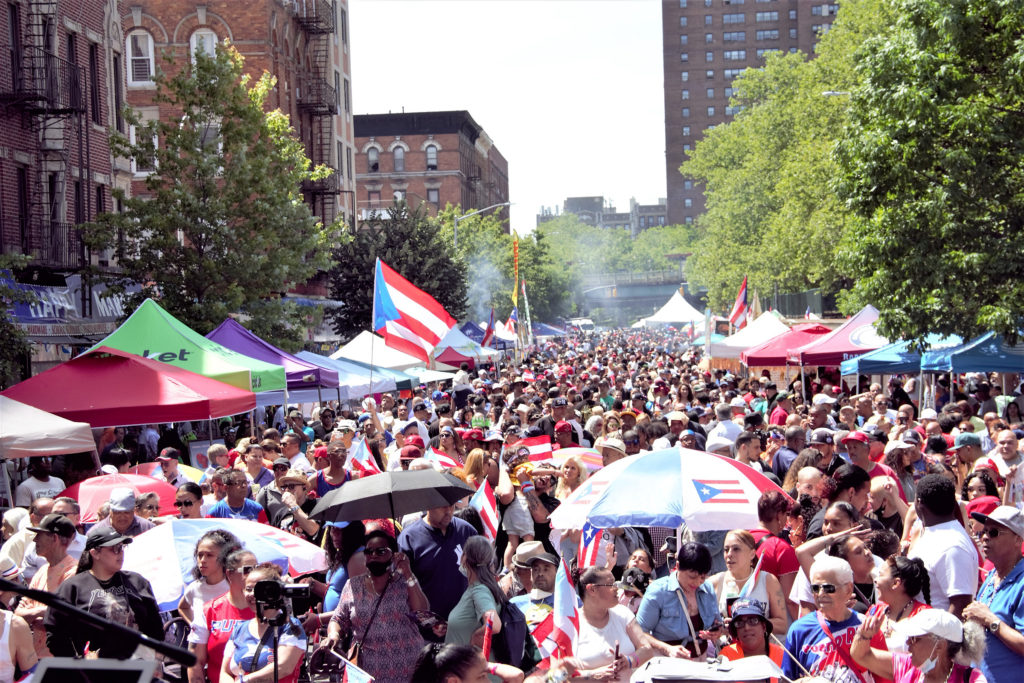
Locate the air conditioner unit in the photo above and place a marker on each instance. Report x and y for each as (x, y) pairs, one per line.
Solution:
(431, 167)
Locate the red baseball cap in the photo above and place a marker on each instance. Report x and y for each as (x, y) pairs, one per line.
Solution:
(857, 436)
(563, 426)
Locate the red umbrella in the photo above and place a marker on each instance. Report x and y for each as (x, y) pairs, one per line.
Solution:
(95, 491)
(109, 388)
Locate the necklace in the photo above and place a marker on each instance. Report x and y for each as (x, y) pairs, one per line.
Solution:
(899, 615)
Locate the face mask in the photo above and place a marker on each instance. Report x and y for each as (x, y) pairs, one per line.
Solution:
(538, 594)
(463, 570)
(929, 663)
(378, 568)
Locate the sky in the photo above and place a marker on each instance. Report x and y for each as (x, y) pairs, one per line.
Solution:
(570, 91)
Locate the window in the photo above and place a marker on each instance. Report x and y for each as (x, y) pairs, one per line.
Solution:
(734, 55)
(709, 56)
(792, 50)
(209, 137)
(343, 25)
(732, 73)
(141, 166)
(434, 194)
(711, 111)
(374, 197)
(687, 184)
(683, 40)
(340, 159)
(773, 34)
(686, 95)
(737, 18)
(94, 83)
(682, 21)
(732, 111)
(661, 220)
(337, 89)
(729, 92)
(348, 158)
(709, 38)
(792, 14)
(710, 93)
(684, 56)
(205, 41)
(372, 160)
(792, 33)
(101, 203)
(734, 36)
(399, 154)
(708, 19)
(347, 98)
(685, 75)
(140, 58)
(431, 157)
(767, 50)
(399, 195)
(14, 39)
(767, 16)
(686, 112)
(686, 147)
(816, 11)
(707, 3)
(709, 74)
(688, 203)
(688, 220)
(118, 93)
(686, 131)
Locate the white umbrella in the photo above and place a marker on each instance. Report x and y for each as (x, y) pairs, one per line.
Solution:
(26, 431)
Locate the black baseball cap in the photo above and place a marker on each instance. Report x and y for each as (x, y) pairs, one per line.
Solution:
(104, 537)
(55, 524)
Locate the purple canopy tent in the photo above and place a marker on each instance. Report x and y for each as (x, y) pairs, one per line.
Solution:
(300, 374)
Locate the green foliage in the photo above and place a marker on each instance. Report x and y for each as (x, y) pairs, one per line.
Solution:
(934, 165)
(407, 240)
(14, 345)
(771, 211)
(221, 227)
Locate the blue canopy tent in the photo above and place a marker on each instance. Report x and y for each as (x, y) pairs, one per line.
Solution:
(896, 358)
(403, 380)
(476, 333)
(988, 353)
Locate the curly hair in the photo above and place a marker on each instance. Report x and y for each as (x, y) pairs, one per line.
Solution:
(985, 477)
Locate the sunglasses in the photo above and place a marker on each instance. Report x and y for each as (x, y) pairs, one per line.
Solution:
(280, 468)
(183, 503)
(245, 570)
(289, 487)
(377, 552)
(991, 532)
(913, 640)
(751, 621)
(823, 588)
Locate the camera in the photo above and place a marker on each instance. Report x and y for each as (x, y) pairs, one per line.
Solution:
(273, 595)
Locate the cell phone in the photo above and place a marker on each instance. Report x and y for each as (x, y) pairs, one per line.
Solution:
(879, 607)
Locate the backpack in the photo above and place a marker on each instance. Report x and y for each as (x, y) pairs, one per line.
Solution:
(510, 643)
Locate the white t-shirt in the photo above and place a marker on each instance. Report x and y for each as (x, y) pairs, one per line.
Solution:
(596, 646)
(32, 488)
(727, 430)
(199, 593)
(951, 560)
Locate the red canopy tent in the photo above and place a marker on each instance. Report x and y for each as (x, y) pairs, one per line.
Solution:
(107, 387)
(774, 352)
(453, 358)
(854, 337)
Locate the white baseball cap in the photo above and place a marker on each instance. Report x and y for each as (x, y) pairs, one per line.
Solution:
(936, 622)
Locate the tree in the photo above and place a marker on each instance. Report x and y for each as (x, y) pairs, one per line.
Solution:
(14, 345)
(486, 249)
(408, 241)
(221, 227)
(934, 163)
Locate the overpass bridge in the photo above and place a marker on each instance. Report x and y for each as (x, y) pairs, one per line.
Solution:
(624, 296)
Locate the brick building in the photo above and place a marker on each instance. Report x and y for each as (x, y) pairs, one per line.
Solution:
(707, 43)
(597, 211)
(437, 158)
(60, 83)
(303, 43)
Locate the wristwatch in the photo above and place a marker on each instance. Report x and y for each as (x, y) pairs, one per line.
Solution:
(994, 626)
(293, 508)
(411, 581)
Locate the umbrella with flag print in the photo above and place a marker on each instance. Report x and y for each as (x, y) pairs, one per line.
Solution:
(706, 492)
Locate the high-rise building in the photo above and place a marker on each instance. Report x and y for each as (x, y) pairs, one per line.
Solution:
(705, 45)
(303, 43)
(600, 213)
(433, 158)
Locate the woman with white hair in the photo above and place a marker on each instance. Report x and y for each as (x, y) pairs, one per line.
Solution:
(941, 649)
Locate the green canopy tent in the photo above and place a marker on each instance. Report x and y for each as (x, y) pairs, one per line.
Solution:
(154, 333)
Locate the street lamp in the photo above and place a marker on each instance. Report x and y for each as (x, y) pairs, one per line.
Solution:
(455, 225)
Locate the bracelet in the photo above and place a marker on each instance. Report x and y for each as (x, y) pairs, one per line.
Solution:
(411, 581)
(492, 669)
(527, 486)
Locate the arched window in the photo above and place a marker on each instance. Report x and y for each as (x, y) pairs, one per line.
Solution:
(372, 160)
(431, 157)
(399, 159)
(139, 46)
(204, 40)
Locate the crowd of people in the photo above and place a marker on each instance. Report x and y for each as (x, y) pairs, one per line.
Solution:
(891, 550)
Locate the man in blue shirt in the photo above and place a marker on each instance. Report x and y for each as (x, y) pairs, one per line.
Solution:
(434, 547)
(999, 607)
(235, 505)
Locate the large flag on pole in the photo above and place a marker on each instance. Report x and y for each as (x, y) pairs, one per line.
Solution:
(556, 636)
(489, 332)
(409, 319)
(515, 270)
(738, 316)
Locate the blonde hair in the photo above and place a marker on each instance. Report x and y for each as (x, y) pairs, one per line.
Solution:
(475, 467)
(562, 490)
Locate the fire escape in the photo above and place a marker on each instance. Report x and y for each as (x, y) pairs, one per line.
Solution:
(319, 99)
(49, 93)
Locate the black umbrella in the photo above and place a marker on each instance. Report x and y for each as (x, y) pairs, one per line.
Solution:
(390, 495)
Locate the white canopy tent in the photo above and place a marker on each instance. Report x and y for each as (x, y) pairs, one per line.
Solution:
(765, 328)
(26, 431)
(676, 311)
(455, 339)
(370, 348)
(501, 333)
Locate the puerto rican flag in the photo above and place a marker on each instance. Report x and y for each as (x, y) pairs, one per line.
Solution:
(528, 376)
(483, 502)
(590, 546)
(738, 316)
(489, 332)
(513, 320)
(441, 458)
(556, 636)
(721, 492)
(539, 446)
(409, 319)
(752, 579)
(361, 460)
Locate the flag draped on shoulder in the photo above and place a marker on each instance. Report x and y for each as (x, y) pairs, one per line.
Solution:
(360, 460)
(556, 636)
(441, 458)
(409, 319)
(483, 502)
(738, 315)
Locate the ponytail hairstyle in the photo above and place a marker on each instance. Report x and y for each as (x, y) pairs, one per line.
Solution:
(225, 542)
(437, 661)
(913, 574)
